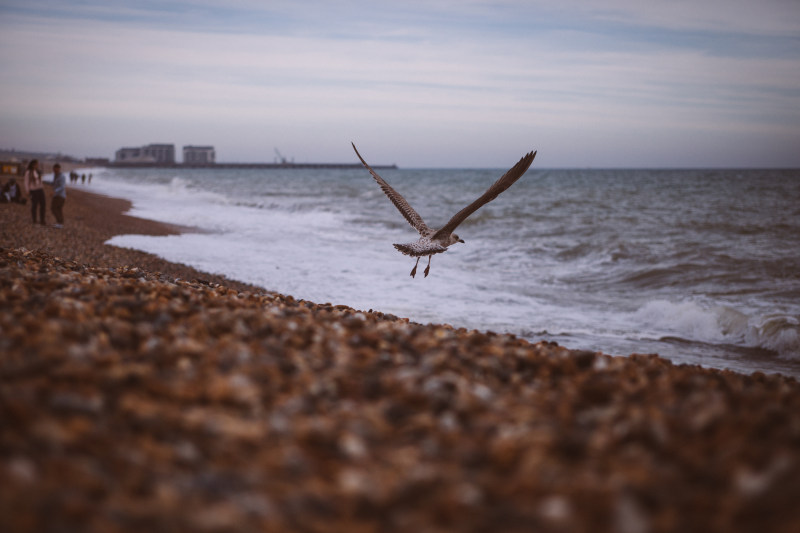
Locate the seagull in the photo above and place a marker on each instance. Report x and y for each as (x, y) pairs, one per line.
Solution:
(433, 241)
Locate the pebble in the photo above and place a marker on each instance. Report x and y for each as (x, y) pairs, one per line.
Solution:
(132, 402)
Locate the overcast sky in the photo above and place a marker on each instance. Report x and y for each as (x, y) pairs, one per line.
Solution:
(461, 83)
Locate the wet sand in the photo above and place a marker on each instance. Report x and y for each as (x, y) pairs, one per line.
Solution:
(136, 394)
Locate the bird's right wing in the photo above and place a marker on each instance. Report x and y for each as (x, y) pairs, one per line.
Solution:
(397, 199)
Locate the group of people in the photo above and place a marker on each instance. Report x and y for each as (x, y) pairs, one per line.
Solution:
(74, 177)
(33, 187)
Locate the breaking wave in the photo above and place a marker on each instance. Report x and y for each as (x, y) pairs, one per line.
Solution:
(723, 325)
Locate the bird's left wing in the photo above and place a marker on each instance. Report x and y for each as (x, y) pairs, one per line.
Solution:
(505, 181)
(397, 199)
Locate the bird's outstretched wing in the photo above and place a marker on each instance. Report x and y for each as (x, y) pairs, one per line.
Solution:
(505, 181)
(397, 199)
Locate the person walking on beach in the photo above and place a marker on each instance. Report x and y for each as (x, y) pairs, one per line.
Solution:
(34, 189)
(59, 195)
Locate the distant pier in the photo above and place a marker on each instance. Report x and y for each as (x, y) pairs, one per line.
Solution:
(286, 164)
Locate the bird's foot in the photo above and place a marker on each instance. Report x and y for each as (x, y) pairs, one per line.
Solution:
(414, 270)
(427, 269)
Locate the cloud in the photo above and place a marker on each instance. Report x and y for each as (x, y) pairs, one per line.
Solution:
(770, 17)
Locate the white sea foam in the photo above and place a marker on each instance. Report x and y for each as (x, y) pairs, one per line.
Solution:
(688, 320)
(778, 333)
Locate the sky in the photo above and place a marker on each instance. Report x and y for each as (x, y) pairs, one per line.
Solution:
(429, 83)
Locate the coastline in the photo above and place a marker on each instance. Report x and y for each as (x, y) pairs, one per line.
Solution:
(92, 219)
(137, 393)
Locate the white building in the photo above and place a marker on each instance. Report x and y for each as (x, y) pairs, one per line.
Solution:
(198, 155)
(163, 153)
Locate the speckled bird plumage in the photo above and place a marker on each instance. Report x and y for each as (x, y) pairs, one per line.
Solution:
(437, 241)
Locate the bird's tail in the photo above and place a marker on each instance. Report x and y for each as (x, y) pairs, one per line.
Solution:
(415, 249)
(406, 249)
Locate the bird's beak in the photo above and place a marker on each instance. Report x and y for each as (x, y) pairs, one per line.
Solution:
(461, 240)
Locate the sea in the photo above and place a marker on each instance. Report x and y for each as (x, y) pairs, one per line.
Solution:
(699, 266)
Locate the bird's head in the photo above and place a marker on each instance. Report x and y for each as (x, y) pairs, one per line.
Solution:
(454, 239)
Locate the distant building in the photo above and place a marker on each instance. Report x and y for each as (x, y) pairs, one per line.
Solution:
(162, 153)
(152, 153)
(132, 155)
(198, 155)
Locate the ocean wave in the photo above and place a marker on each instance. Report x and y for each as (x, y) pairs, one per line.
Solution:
(178, 185)
(662, 276)
(776, 333)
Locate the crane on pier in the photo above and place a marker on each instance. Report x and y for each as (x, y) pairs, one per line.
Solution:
(282, 160)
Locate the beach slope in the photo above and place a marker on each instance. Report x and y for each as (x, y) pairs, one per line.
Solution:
(137, 395)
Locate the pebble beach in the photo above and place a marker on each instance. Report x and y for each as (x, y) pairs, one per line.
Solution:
(142, 395)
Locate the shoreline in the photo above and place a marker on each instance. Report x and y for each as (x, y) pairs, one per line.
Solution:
(136, 394)
(91, 219)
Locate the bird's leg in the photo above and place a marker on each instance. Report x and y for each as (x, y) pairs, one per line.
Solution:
(414, 270)
(428, 268)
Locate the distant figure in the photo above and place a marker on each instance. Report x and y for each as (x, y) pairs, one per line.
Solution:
(83, 179)
(59, 195)
(90, 179)
(34, 189)
(11, 193)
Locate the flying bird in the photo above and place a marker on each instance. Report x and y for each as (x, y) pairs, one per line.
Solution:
(433, 241)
